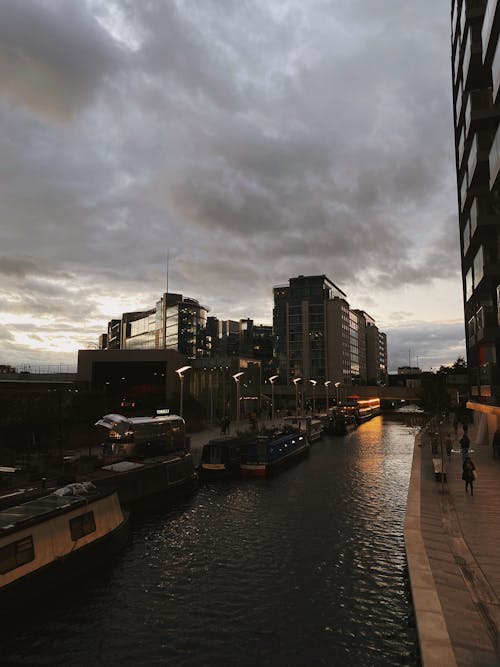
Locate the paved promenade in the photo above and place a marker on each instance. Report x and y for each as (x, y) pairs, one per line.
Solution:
(453, 547)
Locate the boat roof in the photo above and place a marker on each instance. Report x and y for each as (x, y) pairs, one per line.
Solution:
(34, 511)
(121, 423)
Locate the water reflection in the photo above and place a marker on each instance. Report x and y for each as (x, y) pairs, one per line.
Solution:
(303, 569)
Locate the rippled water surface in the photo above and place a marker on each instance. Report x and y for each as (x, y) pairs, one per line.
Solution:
(307, 568)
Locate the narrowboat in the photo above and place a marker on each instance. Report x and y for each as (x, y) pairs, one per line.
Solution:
(146, 459)
(341, 424)
(221, 457)
(310, 426)
(362, 408)
(53, 538)
(142, 437)
(269, 453)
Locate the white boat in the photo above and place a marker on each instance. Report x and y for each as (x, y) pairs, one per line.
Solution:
(52, 538)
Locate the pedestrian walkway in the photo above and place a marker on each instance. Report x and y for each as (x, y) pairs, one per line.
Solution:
(453, 548)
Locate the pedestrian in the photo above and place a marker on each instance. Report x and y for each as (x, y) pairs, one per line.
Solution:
(449, 445)
(464, 445)
(228, 425)
(496, 444)
(455, 426)
(469, 474)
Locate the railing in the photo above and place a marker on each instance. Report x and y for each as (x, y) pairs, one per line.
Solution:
(48, 369)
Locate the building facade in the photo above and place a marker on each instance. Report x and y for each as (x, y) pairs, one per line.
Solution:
(317, 335)
(176, 323)
(475, 28)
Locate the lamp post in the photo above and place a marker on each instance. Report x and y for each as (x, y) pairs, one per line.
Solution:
(327, 384)
(272, 380)
(180, 372)
(314, 383)
(337, 385)
(236, 378)
(296, 383)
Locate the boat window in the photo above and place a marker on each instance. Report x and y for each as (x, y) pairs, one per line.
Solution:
(16, 554)
(82, 525)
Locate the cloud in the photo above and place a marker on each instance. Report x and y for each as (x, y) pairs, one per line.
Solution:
(426, 344)
(53, 56)
(251, 141)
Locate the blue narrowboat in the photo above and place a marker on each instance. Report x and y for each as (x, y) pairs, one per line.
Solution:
(269, 453)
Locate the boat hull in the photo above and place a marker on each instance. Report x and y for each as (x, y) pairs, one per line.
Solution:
(23, 593)
(268, 468)
(150, 482)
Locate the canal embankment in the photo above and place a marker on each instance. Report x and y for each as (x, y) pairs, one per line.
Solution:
(452, 541)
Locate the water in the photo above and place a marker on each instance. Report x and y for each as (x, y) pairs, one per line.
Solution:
(307, 568)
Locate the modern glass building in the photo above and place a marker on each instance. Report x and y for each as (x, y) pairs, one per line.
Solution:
(475, 28)
(317, 335)
(176, 323)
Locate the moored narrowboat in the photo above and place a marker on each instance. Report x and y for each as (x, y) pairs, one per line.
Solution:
(48, 540)
(340, 423)
(269, 453)
(140, 477)
(311, 427)
(221, 457)
(362, 408)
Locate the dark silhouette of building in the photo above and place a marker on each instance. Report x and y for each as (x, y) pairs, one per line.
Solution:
(475, 28)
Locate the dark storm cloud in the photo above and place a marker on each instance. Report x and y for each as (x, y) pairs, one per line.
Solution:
(53, 55)
(254, 141)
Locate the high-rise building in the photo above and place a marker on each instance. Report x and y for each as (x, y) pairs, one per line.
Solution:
(317, 335)
(475, 28)
(176, 323)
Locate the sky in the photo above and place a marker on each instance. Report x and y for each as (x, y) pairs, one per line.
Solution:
(241, 142)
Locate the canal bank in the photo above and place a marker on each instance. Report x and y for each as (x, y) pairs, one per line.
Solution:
(452, 543)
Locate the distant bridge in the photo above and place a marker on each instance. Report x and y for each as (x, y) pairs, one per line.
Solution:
(384, 393)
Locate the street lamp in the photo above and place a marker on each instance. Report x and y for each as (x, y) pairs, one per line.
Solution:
(236, 378)
(314, 383)
(337, 385)
(180, 372)
(296, 383)
(327, 384)
(272, 380)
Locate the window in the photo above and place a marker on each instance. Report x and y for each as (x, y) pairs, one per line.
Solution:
(469, 287)
(478, 267)
(82, 525)
(16, 554)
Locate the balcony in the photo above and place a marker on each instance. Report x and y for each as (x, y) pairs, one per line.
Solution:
(486, 323)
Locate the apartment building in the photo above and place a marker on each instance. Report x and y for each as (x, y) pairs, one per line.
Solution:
(475, 28)
(317, 335)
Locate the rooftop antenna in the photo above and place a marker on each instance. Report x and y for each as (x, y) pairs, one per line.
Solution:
(165, 303)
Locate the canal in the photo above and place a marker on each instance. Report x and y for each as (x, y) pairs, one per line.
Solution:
(307, 568)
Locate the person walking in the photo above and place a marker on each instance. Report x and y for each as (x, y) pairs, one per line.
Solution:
(449, 444)
(469, 474)
(464, 445)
